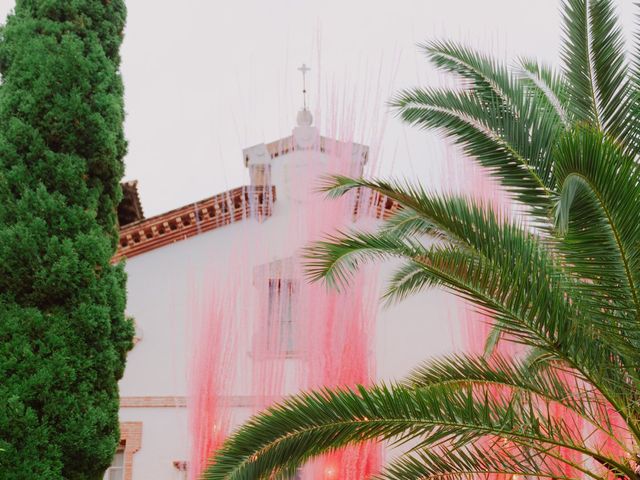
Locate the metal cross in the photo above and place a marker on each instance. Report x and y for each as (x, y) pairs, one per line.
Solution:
(304, 69)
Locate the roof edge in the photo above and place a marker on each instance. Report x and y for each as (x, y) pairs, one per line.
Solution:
(193, 219)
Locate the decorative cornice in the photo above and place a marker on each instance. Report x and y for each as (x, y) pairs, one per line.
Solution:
(193, 219)
(181, 401)
(153, 402)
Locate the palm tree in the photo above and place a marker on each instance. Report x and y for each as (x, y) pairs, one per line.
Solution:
(562, 280)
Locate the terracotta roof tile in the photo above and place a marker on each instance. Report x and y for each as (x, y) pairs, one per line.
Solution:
(191, 220)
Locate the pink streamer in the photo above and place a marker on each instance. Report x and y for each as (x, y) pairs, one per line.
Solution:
(269, 333)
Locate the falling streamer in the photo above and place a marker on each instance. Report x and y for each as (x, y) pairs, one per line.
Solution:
(266, 331)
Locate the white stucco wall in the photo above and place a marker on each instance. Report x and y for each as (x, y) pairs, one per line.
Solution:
(161, 288)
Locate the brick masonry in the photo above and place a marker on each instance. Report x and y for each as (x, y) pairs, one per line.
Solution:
(131, 438)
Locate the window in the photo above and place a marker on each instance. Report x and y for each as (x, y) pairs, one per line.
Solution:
(116, 470)
(281, 333)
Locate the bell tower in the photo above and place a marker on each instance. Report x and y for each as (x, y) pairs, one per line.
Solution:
(292, 164)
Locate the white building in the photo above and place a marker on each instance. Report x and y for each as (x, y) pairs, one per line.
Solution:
(170, 254)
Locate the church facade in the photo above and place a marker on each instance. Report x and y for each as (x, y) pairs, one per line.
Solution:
(176, 259)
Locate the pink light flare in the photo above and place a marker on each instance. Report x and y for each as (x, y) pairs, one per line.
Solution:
(209, 378)
(272, 333)
(330, 472)
(339, 327)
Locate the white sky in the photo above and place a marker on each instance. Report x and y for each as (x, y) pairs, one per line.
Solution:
(205, 78)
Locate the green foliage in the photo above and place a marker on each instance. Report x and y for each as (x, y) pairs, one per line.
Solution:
(561, 279)
(63, 333)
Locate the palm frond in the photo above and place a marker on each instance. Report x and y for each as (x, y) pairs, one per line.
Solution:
(514, 150)
(407, 280)
(406, 222)
(493, 339)
(335, 259)
(309, 425)
(598, 206)
(566, 387)
(549, 87)
(633, 137)
(504, 270)
(610, 68)
(539, 313)
(595, 66)
(487, 77)
(482, 461)
(458, 220)
(577, 59)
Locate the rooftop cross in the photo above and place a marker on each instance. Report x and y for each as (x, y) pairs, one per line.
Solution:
(304, 69)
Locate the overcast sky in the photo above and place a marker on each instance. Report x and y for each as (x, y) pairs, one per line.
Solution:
(206, 78)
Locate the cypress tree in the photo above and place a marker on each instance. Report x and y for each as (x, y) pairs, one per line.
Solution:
(63, 332)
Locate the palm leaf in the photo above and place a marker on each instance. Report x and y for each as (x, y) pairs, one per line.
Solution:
(479, 461)
(502, 269)
(489, 78)
(577, 59)
(407, 280)
(407, 223)
(311, 424)
(610, 67)
(595, 66)
(565, 387)
(515, 151)
(549, 87)
(633, 135)
(540, 315)
(605, 243)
